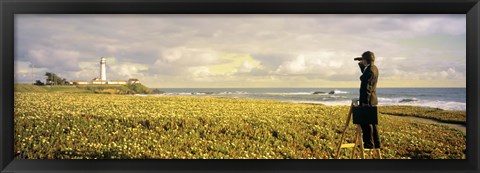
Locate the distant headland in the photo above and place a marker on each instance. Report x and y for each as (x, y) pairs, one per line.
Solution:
(99, 84)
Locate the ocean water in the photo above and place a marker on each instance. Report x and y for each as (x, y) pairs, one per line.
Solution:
(443, 98)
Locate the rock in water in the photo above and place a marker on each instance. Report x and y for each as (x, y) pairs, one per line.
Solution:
(332, 92)
(319, 92)
(408, 100)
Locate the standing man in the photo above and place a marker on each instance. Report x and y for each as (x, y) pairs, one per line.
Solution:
(368, 97)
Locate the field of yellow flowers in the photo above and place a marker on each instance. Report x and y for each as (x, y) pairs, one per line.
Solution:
(97, 126)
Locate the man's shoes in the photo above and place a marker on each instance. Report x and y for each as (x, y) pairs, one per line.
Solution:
(367, 146)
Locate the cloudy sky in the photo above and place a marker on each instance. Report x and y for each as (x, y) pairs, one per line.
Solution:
(168, 51)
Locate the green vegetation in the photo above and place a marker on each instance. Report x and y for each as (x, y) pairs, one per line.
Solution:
(119, 89)
(99, 89)
(50, 89)
(457, 117)
(29, 88)
(89, 126)
(66, 89)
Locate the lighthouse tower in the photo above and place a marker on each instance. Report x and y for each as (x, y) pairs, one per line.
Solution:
(103, 69)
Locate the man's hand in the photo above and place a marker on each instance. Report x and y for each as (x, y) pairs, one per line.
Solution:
(362, 67)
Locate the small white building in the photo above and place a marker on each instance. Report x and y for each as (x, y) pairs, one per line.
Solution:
(117, 82)
(78, 82)
(99, 82)
(133, 81)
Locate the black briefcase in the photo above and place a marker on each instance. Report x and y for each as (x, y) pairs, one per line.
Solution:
(365, 115)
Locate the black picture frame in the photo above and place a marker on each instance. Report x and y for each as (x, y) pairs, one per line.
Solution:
(8, 9)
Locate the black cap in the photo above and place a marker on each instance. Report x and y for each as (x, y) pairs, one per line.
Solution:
(369, 56)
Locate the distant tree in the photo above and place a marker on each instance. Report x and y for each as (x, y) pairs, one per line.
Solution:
(38, 82)
(65, 82)
(54, 79)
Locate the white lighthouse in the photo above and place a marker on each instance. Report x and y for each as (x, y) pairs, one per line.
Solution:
(103, 69)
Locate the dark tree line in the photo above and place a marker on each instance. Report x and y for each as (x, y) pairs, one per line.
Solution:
(53, 79)
(38, 82)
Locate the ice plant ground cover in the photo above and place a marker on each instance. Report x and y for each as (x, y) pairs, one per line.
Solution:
(100, 126)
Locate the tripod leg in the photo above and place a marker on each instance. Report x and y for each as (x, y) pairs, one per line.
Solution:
(337, 154)
(377, 151)
(355, 147)
(359, 132)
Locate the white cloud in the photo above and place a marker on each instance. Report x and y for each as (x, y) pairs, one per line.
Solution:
(57, 59)
(436, 24)
(296, 66)
(246, 67)
(442, 74)
(446, 74)
(125, 71)
(200, 72)
(203, 74)
(319, 64)
(187, 57)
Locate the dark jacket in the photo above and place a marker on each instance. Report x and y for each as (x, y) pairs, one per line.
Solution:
(368, 86)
